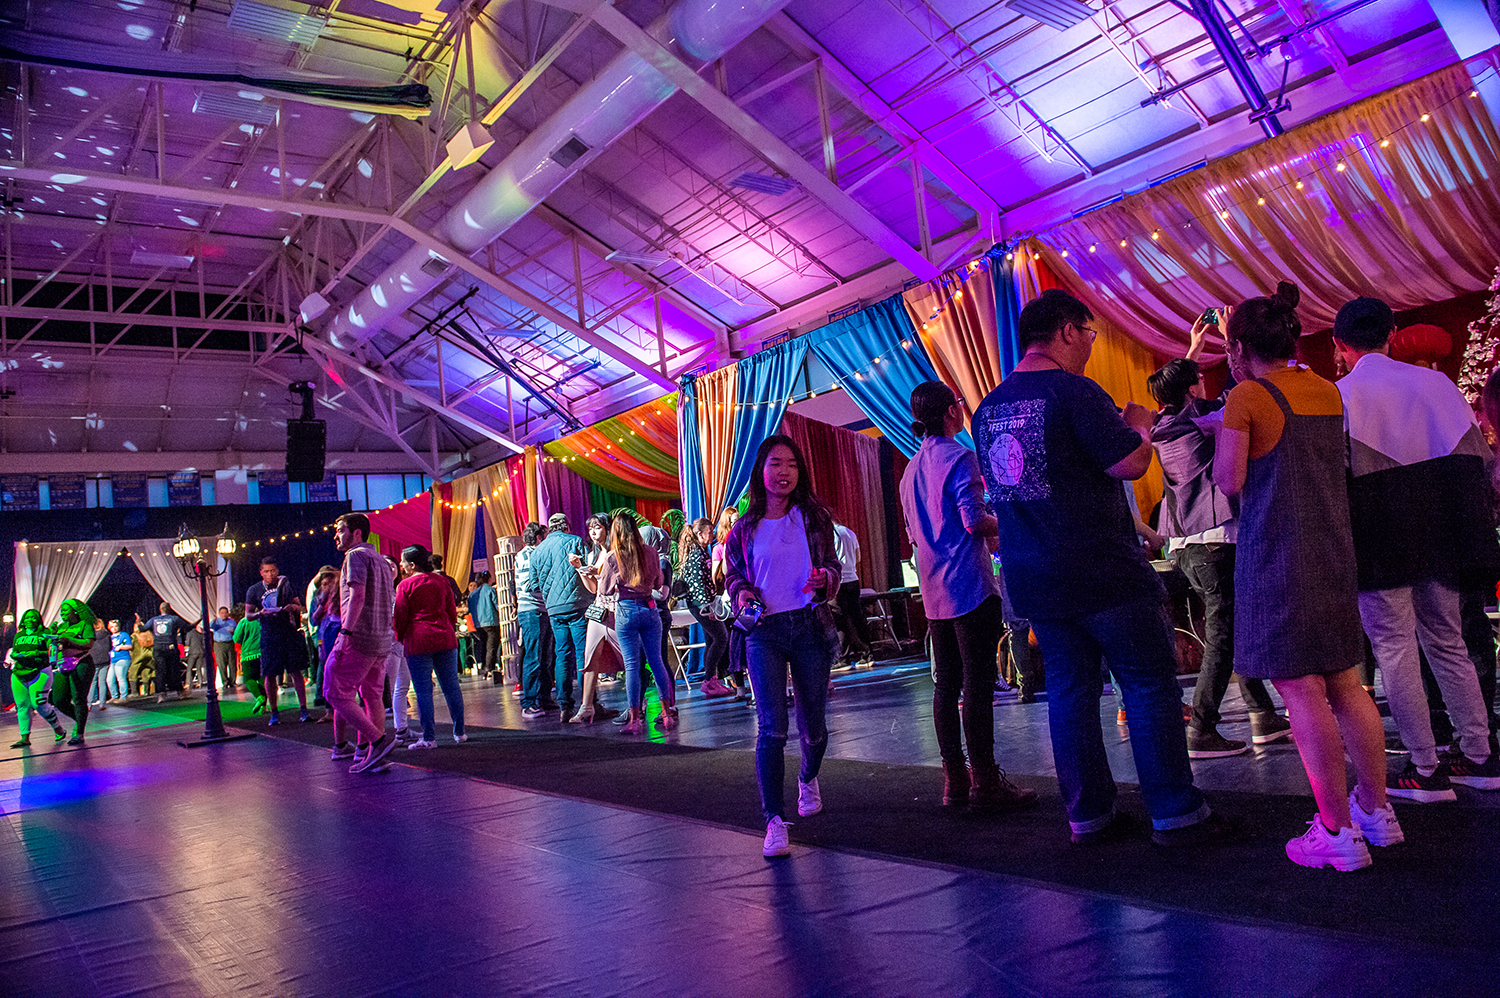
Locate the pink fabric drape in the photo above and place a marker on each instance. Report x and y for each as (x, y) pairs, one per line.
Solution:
(408, 522)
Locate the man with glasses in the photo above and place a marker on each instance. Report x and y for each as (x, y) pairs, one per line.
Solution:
(1053, 450)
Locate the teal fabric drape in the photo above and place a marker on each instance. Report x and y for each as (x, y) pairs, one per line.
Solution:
(766, 380)
(1007, 309)
(689, 451)
(850, 347)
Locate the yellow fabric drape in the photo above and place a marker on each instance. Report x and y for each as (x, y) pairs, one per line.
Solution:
(499, 504)
(718, 391)
(1411, 222)
(963, 342)
(456, 543)
(1121, 365)
(533, 496)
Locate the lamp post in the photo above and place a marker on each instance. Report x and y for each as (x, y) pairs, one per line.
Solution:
(199, 564)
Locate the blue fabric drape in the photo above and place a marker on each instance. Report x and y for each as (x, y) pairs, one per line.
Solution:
(689, 451)
(766, 380)
(1007, 309)
(849, 347)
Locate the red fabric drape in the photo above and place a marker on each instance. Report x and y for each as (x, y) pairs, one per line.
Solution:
(653, 509)
(407, 522)
(845, 471)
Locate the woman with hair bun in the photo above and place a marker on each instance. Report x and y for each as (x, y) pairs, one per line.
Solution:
(1281, 448)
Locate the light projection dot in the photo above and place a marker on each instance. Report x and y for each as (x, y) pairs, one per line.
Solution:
(77, 91)
(139, 32)
(105, 150)
(365, 169)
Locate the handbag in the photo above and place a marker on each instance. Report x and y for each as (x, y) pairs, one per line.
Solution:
(596, 612)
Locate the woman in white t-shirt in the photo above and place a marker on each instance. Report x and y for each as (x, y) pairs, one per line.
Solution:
(781, 557)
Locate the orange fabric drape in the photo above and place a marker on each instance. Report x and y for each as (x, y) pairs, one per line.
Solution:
(533, 496)
(718, 392)
(1325, 205)
(494, 488)
(963, 342)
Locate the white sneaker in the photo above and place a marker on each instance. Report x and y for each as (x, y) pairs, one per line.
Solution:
(1318, 848)
(1379, 828)
(809, 798)
(778, 840)
(460, 739)
(421, 743)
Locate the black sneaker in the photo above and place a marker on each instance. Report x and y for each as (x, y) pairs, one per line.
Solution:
(1394, 745)
(1121, 826)
(1269, 727)
(1211, 831)
(1481, 776)
(1212, 745)
(532, 712)
(1412, 785)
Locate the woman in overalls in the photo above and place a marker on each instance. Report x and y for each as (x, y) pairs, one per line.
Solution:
(1281, 448)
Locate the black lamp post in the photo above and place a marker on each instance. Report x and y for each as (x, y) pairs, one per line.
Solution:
(200, 564)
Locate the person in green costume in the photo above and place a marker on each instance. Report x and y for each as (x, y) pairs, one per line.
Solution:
(74, 636)
(247, 636)
(28, 677)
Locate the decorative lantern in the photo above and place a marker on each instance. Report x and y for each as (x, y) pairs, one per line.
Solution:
(1423, 344)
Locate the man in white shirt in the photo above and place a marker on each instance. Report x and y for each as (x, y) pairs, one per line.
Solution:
(852, 622)
(1418, 506)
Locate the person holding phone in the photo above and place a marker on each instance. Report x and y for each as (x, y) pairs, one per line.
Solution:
(782, 568)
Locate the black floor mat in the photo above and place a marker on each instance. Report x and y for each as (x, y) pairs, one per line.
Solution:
(1439, 887)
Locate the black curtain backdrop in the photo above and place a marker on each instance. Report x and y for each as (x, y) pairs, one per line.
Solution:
(296, 558)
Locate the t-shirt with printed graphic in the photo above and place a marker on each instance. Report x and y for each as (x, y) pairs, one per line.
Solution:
(1067, 540)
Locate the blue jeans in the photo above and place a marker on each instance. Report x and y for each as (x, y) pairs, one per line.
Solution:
(445, 664)
(806, 641)
(570, 631)
(638, 628)
(1136, 639)
(536, 654)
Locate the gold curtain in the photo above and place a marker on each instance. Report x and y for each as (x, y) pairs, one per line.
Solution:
(1121, 366)
(453, 530)
(718, 392)
(963, 342)
(533, 495)
(1371, 200)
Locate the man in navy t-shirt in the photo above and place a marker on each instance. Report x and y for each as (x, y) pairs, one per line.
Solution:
(1054, 450)
(167, 632)
(274, 602)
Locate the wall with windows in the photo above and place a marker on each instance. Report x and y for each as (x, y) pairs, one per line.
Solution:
(363, 491)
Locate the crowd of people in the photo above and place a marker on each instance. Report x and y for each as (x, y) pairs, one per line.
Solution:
(1329, 529)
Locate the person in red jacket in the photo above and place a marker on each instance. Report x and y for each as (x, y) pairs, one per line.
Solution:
(427, 625)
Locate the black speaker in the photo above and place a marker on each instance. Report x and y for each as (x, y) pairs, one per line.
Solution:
(306, 448)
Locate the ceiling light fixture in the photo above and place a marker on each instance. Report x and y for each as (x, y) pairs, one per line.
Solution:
(468, 144)
(262, 19)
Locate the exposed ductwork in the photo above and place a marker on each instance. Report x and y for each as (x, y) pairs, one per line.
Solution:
(623, 93)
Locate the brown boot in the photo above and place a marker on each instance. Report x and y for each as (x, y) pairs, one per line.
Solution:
(955, 785)
(993, 793)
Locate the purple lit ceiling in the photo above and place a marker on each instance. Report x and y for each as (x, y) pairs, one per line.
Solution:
(161, 232)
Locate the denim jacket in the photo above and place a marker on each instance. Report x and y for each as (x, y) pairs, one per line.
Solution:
(739, 550)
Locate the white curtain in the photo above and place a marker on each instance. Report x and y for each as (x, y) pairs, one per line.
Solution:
(164, 574)
(47, 573)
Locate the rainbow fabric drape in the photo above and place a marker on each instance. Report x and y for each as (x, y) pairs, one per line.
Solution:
(634, 453)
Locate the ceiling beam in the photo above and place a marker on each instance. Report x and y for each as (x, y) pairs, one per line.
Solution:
(768, 146)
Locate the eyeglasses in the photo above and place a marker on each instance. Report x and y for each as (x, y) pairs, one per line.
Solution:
(1093, 333)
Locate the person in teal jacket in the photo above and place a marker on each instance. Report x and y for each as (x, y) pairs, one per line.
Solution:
(28, 677)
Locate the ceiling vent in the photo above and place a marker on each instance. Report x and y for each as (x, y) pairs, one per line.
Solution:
(1059, 14)
(763, 184)
(295, 26)
(570, 152)
(237, 105)
(435, 266)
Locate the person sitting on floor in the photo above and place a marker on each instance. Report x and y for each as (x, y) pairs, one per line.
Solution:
(1199, 520)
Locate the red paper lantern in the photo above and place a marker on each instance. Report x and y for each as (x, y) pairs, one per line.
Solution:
(1423, 344)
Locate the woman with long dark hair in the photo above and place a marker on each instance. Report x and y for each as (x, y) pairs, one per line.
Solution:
(629, 573)
(693, 557)
(782, 569)
(427, 626)
(1281, 447)
(942, 498)
(602, 654)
